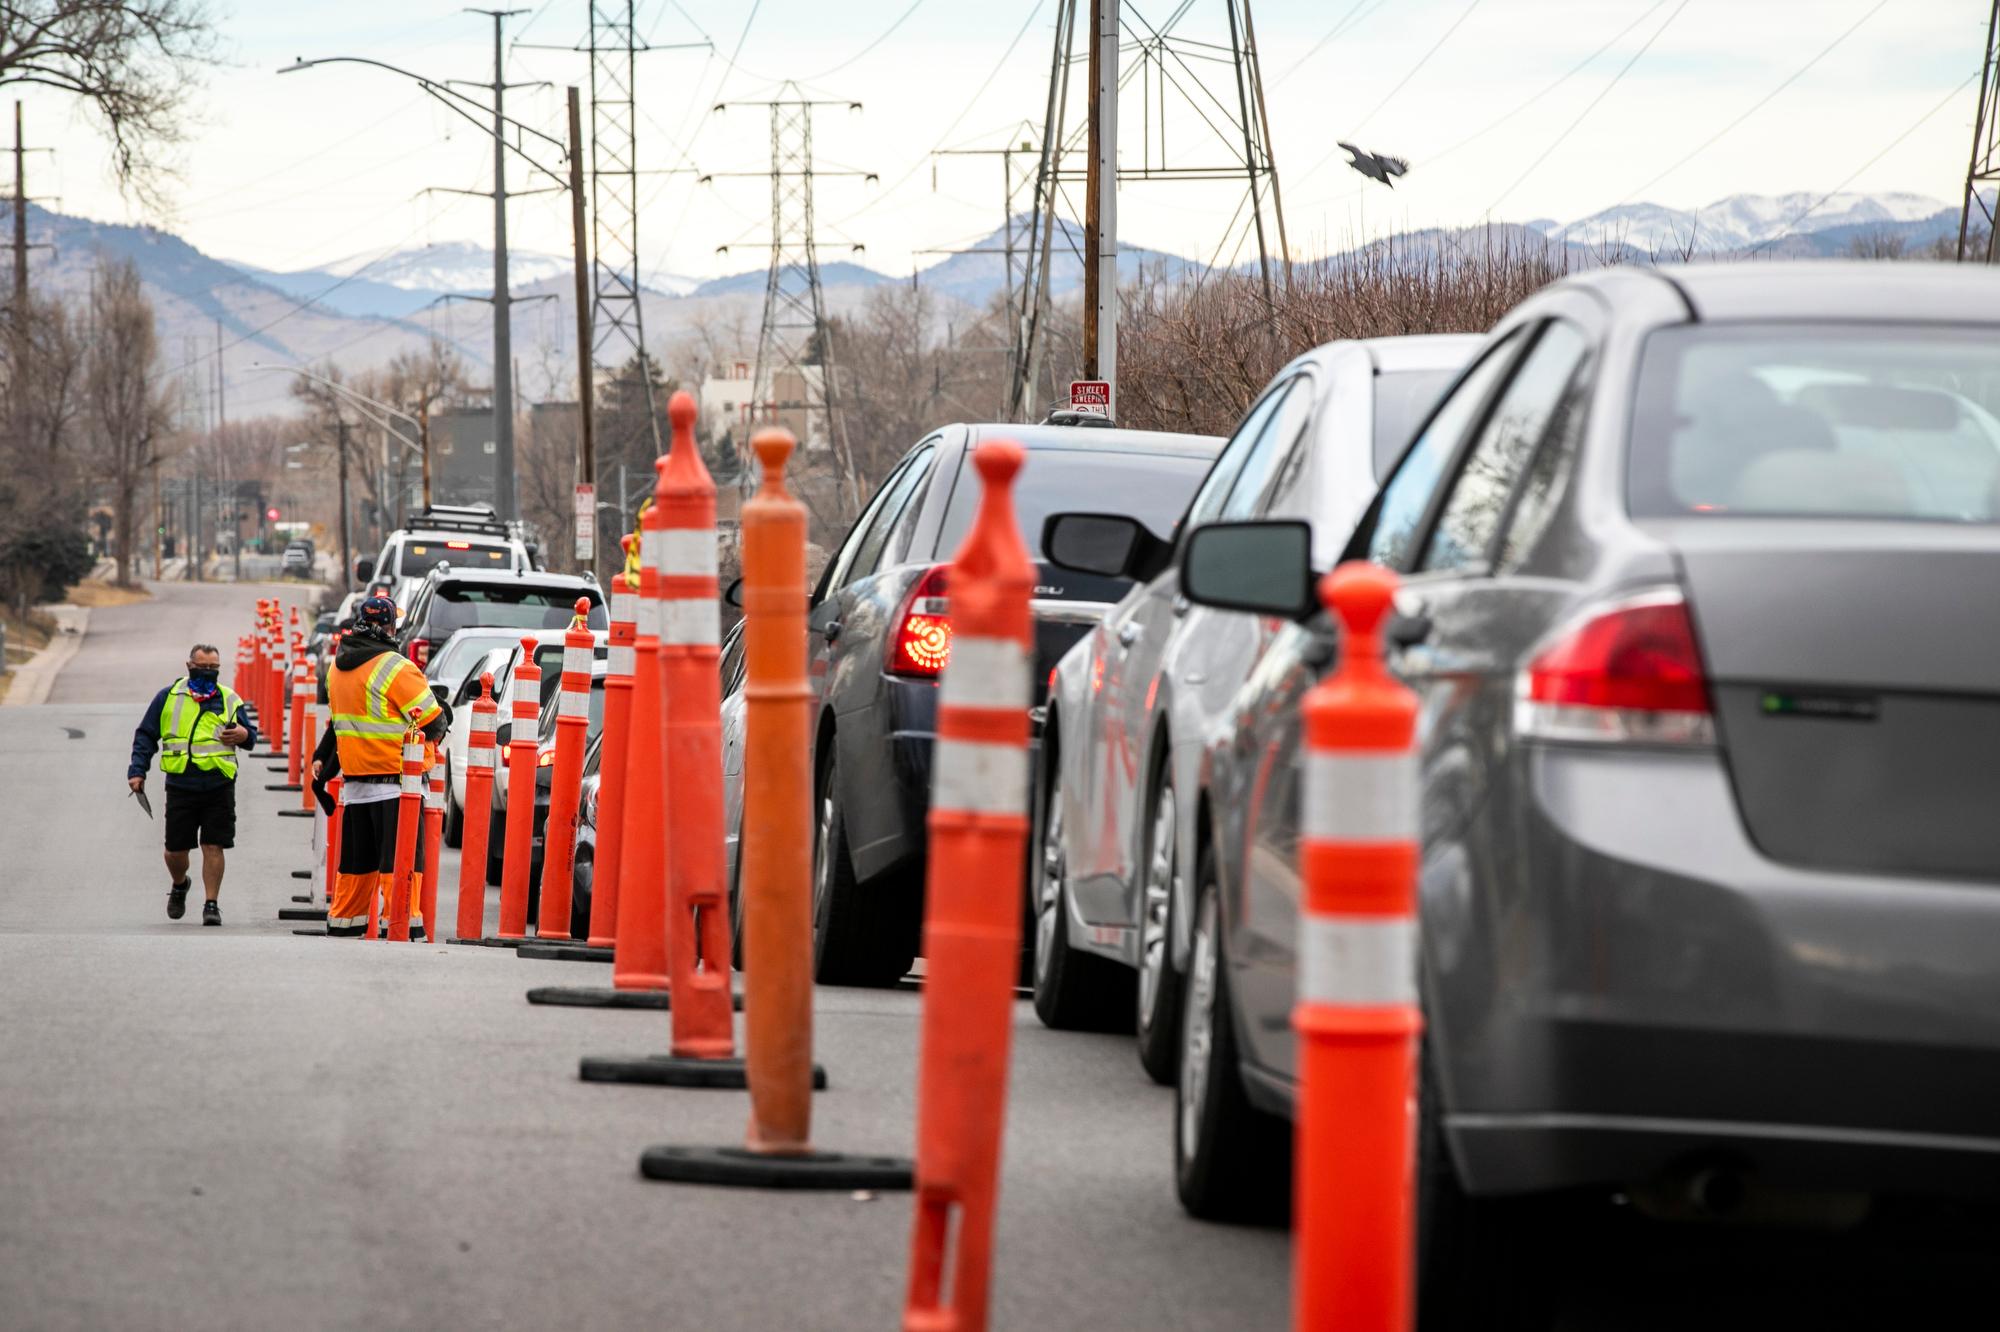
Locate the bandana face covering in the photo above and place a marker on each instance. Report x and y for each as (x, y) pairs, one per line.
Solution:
(202, 680)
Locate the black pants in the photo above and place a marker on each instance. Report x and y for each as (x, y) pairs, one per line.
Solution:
(368, 837)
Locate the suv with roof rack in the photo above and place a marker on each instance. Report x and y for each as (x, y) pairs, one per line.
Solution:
(467, 536)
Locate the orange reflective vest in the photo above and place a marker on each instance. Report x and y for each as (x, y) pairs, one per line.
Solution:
(373, 706)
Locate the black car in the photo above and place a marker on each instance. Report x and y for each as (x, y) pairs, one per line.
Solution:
(452, 599)
(879, 633)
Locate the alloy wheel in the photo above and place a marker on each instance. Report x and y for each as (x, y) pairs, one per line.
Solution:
(1161, 883)
(1048, 898)
(1198, 1030)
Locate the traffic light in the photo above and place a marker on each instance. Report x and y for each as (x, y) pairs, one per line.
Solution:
(271, 514)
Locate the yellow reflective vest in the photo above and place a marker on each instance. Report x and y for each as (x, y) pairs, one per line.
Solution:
(190, 733)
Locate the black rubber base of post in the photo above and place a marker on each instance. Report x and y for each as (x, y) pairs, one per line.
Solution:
(743, 1168)
(281, 786)
(313, 934)
(564, 952)
(575, 996)
(486, 941)
(295, 813)
(302, 913)
(302, 874)
(278, 767)
(674, 1071)
(302, 897)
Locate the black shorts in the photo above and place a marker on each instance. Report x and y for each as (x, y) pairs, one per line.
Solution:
(201, 818)
(368, 838)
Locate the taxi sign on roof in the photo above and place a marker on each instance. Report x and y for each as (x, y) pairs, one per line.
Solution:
(1092, 396)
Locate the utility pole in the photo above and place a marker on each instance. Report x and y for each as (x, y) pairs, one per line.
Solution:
(346, 537)
(1984, 169)
(586, 379)
(503, 333)
(793, 336)
(20, 222)
(1100, 204)
(1016, 242)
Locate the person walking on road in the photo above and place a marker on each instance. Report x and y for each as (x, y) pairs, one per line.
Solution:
(375, 696)
(196, 724)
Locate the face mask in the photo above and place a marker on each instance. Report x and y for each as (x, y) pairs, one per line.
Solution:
(201, 679)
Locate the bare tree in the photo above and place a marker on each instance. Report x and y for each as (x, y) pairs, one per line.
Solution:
(129, 407)
(132, 63)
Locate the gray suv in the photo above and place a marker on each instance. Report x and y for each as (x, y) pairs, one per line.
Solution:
(1699, 603)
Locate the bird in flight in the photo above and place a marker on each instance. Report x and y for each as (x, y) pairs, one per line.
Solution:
(1376, 166)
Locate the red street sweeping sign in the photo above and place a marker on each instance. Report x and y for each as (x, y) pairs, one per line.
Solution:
(1090, 395)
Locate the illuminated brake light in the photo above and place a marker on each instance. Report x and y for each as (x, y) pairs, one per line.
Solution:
(1629, 672)
(546, 759)
(420, 651)
(458, 545)
(922, 642)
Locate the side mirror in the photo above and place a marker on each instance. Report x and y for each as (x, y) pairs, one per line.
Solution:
(441, 691)
(1261, 567)
(1110, 545)
(733, 594)
(364, 568)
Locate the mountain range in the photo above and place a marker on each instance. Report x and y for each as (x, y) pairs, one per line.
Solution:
(361, 310)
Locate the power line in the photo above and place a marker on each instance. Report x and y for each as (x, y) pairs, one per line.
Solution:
(1584, 115)
(1339, 27)
(889, 32)
(1759, 104)
(1887, 148)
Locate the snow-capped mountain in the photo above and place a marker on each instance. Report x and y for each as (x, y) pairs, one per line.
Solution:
(1742, 220)
(453, 266)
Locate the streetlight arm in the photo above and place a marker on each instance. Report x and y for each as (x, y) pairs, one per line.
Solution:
(358, 398)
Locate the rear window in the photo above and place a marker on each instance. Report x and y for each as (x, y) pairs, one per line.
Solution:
(420, 557)
(1152, 487)
(1818, 422)
(1403, 398)
(507, 606)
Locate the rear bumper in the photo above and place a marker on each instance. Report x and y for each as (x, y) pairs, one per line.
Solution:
(1645, 989)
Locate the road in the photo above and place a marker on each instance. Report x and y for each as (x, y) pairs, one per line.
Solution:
(240, 1128)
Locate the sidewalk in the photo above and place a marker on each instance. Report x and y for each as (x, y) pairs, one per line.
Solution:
(34, 678)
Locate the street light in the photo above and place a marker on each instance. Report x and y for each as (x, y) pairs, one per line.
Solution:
(422, 445)
(503, 352)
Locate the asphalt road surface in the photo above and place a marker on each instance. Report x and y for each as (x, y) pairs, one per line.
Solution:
(240, 1128)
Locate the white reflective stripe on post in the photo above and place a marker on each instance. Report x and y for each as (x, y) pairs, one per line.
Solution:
(576, 660)
(484, 723)
(413, 782)
(648, 623)
(624, 605)
(652, 549)
(621, 660)
(978, 777)
(1357, 961)
(1357, 797)
(985, 673)
(688, 552)
(479, 756)
(574, 703)
(434, 794)
(520, 697)
(695, 622)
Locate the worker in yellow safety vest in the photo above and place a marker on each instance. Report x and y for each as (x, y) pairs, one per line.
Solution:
(375, 696)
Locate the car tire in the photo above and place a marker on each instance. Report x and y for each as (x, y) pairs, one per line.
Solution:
(1481, 1263)
(1158, 1008)
(496, 847)
(1074, 990)
(1232, 1161)
(862, 933)
(454, 813)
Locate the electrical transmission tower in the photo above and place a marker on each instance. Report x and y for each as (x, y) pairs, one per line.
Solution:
(1017, 229)
(795, 380)
(1199, 96)
(1984, 171)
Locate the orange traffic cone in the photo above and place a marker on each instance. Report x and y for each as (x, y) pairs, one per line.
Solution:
(972, 917)
(566, 781)
(522, 750)
(611, 763)
(478, 815)
(433, 835)
(1353, 1239)
(409, 813)
(776, 847)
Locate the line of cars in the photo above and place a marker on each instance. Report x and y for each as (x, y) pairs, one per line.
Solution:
(1699, 572)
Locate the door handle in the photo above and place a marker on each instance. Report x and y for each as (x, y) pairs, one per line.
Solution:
(1181, 605)
(1128, 633)
(831, 630)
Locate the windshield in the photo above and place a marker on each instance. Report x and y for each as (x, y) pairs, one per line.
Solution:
(1403, 398)
(507, 606)
(1826, 422)
(420, 557)
(459, 653)
(1152, 487)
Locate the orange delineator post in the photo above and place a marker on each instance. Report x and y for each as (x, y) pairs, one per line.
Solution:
(698, 944)
(274, 660)
(432, 840)
(774, 847)
(566, 779)
(301, 691)
(478, 812)
(639, 955)
(1357, 1015)
(332, 838)
(311, 743)
(409, 810)
(519, 846)
(972, 920)
(611, 764)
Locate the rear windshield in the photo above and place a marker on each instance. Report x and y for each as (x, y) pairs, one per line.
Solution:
(549, 696)
(1403, 398)
(1152, 487)
(420, 557)
(507, 606)
(1818, 422)
(458, 655)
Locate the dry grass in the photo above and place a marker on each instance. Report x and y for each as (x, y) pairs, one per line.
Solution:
(96, 592)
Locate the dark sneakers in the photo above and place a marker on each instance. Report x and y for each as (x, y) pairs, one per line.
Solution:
(177, 899)
(211, 913)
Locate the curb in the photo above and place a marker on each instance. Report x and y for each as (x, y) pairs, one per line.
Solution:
(35, 677)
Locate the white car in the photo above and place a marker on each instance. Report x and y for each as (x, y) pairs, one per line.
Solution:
(458, 737)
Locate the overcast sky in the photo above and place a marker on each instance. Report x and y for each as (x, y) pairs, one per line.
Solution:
(312, 167)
